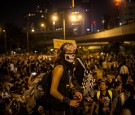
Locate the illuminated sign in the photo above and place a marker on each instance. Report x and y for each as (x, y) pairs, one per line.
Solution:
(58, 42)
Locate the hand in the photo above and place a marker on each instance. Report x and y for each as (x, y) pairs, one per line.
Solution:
(74, 103)
(79, 95)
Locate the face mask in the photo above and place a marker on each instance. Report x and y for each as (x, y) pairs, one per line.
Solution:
(70, 57)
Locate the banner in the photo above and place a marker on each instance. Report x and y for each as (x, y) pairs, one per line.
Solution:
(58, 42)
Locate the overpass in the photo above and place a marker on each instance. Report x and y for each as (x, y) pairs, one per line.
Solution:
(121, 33)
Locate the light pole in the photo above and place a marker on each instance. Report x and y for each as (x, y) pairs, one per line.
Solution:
(43, 26)
(64, 29)
(73, 3)
(55, 18)
(28, 28)
(5, 36)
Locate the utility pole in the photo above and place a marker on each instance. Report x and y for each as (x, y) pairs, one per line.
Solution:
(64, 28)
(28, 29)
(73, 3)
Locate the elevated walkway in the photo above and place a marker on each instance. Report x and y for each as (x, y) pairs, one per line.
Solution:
(125, 32)
(122, 33)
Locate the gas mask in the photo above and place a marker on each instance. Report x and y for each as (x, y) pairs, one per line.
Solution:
(70, 57)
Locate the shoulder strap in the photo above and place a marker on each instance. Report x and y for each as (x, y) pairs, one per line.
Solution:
(110, 93)
(81, 63)
(98, 94)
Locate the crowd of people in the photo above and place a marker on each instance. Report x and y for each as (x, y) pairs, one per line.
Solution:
(109, 94)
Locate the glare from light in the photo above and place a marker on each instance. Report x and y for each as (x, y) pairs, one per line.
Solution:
(54, 17)
(42, 25)
(32, 30)
(79, 17)
(51, 49)
(88, 29)
(75, 29)
(103, 21)
(120, 23)
(73, 18)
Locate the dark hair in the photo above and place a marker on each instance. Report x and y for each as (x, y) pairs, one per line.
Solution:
(63, 48)
(105, 81)
(124, 62)
(129, 88)
(117, 83)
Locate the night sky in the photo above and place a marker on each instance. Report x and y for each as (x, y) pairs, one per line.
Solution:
(14, 10)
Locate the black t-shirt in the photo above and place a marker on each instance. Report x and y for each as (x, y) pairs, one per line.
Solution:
(103, 103)
(130, 105)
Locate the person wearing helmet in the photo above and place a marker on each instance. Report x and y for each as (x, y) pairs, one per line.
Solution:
(62, 83)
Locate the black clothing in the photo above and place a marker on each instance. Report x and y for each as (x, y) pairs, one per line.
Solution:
(79, 73)
(124, 78)
(104, 103)
(130, 104)
(63, 88)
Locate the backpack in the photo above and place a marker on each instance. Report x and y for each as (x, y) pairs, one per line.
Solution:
(40, 88)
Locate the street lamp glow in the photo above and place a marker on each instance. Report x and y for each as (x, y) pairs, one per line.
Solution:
(54, 18)
(73, 18)
(79, 17)
(42, 25)
(33, 30)
(77, 20)
(117, 2)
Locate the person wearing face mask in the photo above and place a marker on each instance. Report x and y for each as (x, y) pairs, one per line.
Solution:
(63, 84)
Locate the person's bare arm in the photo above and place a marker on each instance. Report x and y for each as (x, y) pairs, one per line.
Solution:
(92, 108)
(30, 80)
(126, 112)
(57, 74)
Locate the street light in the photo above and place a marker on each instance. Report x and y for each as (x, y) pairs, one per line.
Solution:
(43, 26)
(117, 2)
(77, 19)
(73, 3)
(32, 30)
(55, 18)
